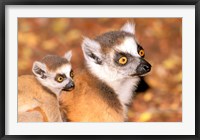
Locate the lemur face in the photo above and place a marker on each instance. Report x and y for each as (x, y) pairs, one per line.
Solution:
(128, 58)
(116, 54)
(55, 73)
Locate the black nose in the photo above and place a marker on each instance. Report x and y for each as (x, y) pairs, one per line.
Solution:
(147, 67)
(70, 86)
(143, 67)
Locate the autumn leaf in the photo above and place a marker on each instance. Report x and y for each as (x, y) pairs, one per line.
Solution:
(146, 116)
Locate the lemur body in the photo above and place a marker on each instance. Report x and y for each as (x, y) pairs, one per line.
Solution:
(41, 105)
(38, 95)
(114, 62)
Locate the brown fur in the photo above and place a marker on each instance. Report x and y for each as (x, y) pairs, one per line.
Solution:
(35, 103)
(53, 62)
(110, 39)
(91, 101)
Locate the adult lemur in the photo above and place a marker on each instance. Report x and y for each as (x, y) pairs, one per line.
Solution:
(38, 94)
(104, 89)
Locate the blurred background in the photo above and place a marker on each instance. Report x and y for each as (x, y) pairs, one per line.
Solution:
(159, 99)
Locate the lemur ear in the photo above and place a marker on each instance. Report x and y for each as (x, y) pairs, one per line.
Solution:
(39, 69)
(91, 50)
(129, 27)
(68, 55)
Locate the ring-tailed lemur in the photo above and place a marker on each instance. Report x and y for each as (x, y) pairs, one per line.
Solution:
(38, 94)
(114, 62)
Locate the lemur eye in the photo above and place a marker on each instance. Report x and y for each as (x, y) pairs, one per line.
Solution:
(141, 53)
(123, 60)
(71, 73)
(59, 79)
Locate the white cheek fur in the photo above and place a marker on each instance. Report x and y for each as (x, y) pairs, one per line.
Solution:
(52, 84)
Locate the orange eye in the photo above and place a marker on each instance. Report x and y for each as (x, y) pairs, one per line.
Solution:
(141, 53)
(123, 60)
(59, 79)
(72, 74)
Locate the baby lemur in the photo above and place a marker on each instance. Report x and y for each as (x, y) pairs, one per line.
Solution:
(104, 89)
(38, 94)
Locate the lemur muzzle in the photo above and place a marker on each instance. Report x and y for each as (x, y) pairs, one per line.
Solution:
(70, 86)
(143, 67)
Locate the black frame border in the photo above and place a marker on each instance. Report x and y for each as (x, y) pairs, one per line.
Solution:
(3, 4)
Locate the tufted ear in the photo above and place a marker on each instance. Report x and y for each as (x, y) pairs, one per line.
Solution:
(39, 69)
(92, 51)
(68, 55)
(129, 27)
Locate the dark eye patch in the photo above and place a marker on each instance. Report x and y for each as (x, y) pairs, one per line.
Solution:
(72, 74)
(60, 75)
(118, 55)
(139, 47)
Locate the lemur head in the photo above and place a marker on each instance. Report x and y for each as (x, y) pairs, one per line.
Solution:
(54, 72)
(115, 55)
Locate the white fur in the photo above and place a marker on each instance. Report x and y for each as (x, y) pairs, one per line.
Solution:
(54, 86)
(129, 27)
(129, 46)
(38, 65)
(88, 46)
(104, 72)
(87, 42)
(68, 55)
(64, 69)
(123, 86)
